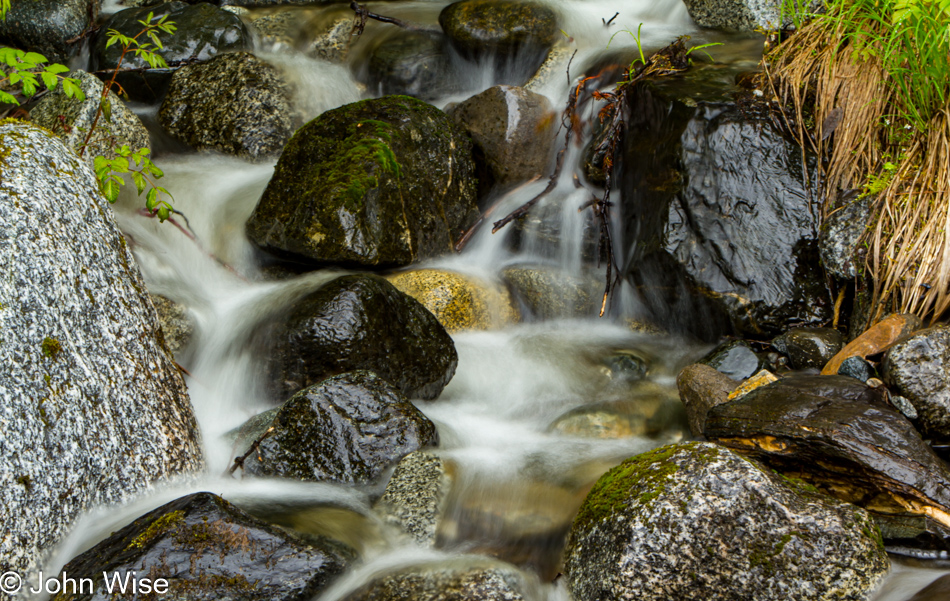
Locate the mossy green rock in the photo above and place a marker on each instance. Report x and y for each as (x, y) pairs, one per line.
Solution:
(697, 521)
(45, 26)
(348, 428)
(362, 322)
(208, 549)
(502, 27)
(377, 183)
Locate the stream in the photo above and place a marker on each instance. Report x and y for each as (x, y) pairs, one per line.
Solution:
(519, 474)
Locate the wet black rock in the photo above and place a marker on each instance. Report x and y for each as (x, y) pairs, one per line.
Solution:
(482, 581)
(513, 129)
(919, 368)
(809, 347)
(697, 521)
(46, 26)
(377, 183)
(701, 388)
(203, 31)
(414, 63)
(938, 590)
(725, 225)
(857, 368)
(347, 428)
(362, 322)
(205, 549)
(734, 358)
(235, 103)
(500, 27)
(840, 235)
(842, 436)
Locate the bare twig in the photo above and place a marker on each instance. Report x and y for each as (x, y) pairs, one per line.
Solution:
(362, 14)
(608, 23)
(239, 461)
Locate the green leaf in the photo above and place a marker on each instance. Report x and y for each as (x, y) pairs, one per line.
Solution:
(163, 213)
(50, 80)
(34, 57)
(7, 98)
(150, 199)
(29, 85)
(15, 77)
(106, 107)
(140, 182)
(110, 189)
(120, 165)
(102, 167)
(155, 171)
(72, 90)
(124, 150)
(57, 68)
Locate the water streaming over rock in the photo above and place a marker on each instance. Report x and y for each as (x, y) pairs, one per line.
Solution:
(535, 412)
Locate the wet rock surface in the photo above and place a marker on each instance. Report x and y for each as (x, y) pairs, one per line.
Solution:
(347, 428)
(328, 36)
(660, 414)
(235, 103)
(513, 128)
(497, 582)
(71, 120)
(840, 235)
(87, 387)
(735, 359)
(45, 26)
(459, 302)
(362, 322)
(856, 367)
(500, 27)
(877, 339)
(918, 368)
(206, 548)
(178, 326)
(414, 63)
(725, 223)
(735, 15)
(840, 435)
(377, 183)
(935, 591)
(701, 388)
(698, 521)
(416, 496)
(203, 31)
(809, 347)
(548, 293)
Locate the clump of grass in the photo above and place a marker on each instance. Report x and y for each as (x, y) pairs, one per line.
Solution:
(866, 85)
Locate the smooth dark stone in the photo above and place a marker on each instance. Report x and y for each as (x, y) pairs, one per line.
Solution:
(500, 27)
(938, 590)
(415, 64)
(857, 368)
(809, 347)
(45, 26)
(734, 358)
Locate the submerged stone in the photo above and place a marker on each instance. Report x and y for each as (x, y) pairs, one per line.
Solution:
(414, 63)
(377, 183)
(347, 428)
(696, 520)
(417, 495)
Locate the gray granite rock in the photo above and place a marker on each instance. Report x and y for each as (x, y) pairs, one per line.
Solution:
(919, 368)
(177, 325)
(840, 235)
(92, 409)
(328, 36)
(697, 521)
(235, 103)
(45, 26)
(416, 495)
(482, 581)
(71, 120)
(735, 15)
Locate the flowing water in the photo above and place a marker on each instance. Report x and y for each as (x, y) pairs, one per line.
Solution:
(509, 422)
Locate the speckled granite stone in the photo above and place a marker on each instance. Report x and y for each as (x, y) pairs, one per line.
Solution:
(416, 496)
(735, 15)
(92, 409)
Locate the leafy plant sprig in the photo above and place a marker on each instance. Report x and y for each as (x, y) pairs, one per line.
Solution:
(142, 170)
(28, 69)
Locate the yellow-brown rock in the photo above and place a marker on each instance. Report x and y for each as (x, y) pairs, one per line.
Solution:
(458, 301)
(876, 339)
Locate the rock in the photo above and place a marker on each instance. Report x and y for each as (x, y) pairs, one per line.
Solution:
(554, 62)
(414, 63)
(177, 324)
(938, 590)
(513, 129)
(840, 235)
(45, 26)
(917, 367)
(809, 347)
(903, 405)
(93, 409)
(358, 530)
(377, 183)
(502, 28)
(876, 339)
(916, 536)
(71, 120)
(696, 521)
(328, 36)
(416, 496)
(701, 388)
(203, 31)
(206, 548)
(277, 31)
(482, 581)
(734, 358)
(736, 15)
(659, 415)
(762, 378)
(856, 367)
(347, 428)
(362, 322)
(624, 367)
(713, 241)
(551, 294)
(458, 302)
(234, 103)
(841, 436)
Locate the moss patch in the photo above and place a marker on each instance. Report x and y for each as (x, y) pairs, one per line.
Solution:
(51, 347)
(156, 529)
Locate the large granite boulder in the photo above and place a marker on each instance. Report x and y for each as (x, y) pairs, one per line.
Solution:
(347, 428)
(362, 322)
(500, 27)
(919, 368)
(235, 103)
(206, 549)
(377, 183)
(697, 521)
(92, 408)
(726, 228)
(736, 15)
(71, 120)
(203, 31)
(47, 26)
